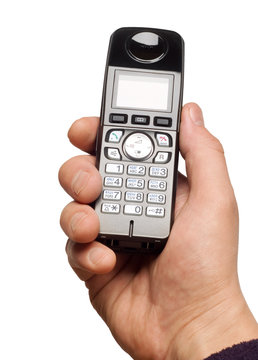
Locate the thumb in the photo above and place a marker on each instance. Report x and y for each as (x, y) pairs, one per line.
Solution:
(204, 156)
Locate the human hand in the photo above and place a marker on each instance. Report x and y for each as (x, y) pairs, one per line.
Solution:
(185, 303)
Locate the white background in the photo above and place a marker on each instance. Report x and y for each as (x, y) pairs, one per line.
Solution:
(53, 54)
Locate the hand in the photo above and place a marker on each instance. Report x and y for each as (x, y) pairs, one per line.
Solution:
(185, 303)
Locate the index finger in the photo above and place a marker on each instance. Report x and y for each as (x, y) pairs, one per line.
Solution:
(82, 133)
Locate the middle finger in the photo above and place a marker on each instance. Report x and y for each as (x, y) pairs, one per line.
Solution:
(80, 179)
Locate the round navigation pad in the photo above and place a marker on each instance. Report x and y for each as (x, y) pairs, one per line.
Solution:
(146, 47)
(138, 146)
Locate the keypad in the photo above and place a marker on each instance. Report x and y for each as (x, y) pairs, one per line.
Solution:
(137, 185)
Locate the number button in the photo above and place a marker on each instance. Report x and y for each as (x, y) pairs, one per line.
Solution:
(113, 181)
(112, 154)
(134, 196)
(133, 210)
(115, 136)
(158, 171)
(136, 170)
(157, 185)
(135, 183)
(156, 198)
(115, 168)
(155, 211)
(162, 139)
(111, 195)
(110, 208)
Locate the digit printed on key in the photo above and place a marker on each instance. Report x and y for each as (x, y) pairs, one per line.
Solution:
(157, 185)
(157, 171)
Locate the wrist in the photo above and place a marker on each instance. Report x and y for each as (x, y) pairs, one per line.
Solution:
(229, 321)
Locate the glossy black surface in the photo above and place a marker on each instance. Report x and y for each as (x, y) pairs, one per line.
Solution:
(140, 119)
(118, 118)
(161, 121)
(169, 48)
(146, 47)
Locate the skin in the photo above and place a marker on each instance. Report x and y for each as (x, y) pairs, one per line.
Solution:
(186, 303)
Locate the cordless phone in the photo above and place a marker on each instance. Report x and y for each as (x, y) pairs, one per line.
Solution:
(137, 142)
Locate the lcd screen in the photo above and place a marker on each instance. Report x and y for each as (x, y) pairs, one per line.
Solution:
(142, 91)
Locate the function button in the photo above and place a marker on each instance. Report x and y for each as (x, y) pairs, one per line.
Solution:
(111, 195)
(140, 119)
(158, 171)
(162, 121)
(134, 196)
(163, 139)
(115, 168)
(132, 209)
(156, 198)
(113, 181)
(161, 157)
(110, 208)
(136, 170)
(157, 185)
(138, 146)
(135, 183)
(112, 154)
(118, 118)
(155, 211)
(114, 136)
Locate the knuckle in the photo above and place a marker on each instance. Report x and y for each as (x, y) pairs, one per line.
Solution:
(215, 144)
(227, 202)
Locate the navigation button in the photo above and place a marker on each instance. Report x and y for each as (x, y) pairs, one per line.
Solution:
(138, 146)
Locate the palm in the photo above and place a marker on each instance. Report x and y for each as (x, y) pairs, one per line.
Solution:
(141, 288)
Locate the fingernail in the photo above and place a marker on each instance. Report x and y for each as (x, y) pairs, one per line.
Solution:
(77, 219)
(95, 255)
(79, 181)
(196, 115)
